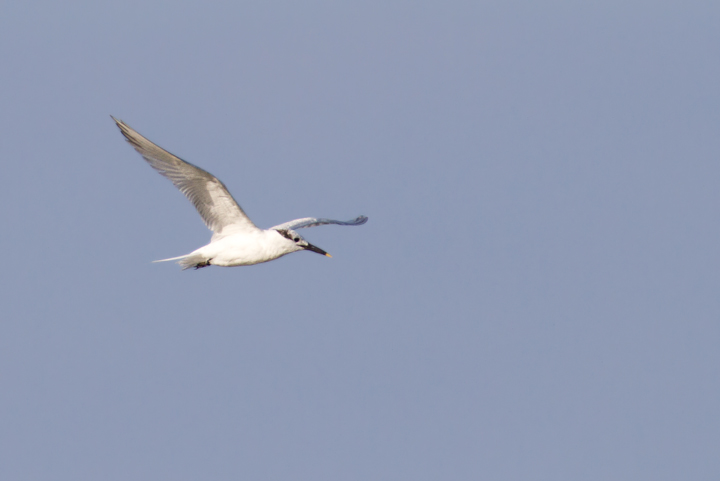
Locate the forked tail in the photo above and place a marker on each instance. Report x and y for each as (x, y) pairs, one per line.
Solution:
(188, 261)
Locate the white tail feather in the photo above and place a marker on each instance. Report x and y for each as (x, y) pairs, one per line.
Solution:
(189, 260)
(173, 258)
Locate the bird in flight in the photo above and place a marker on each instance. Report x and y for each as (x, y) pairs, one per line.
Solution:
(236, 241)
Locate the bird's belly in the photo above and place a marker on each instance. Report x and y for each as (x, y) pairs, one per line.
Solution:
(244, 252)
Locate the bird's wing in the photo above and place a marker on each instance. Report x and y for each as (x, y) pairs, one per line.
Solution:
(220, 212)
(312, 222)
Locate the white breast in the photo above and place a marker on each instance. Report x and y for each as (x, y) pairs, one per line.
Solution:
(246, 248)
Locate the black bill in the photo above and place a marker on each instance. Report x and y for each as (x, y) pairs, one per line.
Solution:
(311, 247)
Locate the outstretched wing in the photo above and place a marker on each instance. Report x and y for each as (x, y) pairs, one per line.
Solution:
(312, 222)
(220, 212)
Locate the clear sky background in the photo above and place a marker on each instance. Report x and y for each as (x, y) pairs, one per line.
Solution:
(535, 295)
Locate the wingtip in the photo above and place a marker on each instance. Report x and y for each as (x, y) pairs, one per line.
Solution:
(118, 122)
(125, 129)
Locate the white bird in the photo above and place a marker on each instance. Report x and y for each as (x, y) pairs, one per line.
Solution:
(236, 241)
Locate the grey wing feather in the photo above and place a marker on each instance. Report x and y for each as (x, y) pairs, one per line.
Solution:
(312, 222)
(220, 212)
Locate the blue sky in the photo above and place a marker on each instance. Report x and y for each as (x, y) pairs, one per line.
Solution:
(533, 297)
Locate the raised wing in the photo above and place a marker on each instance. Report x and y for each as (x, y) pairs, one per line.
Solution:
(312, 222)
(220, 212)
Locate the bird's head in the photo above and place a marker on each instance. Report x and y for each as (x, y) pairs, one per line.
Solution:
(295, 242)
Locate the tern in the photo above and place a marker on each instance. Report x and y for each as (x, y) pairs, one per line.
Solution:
(236, 241)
